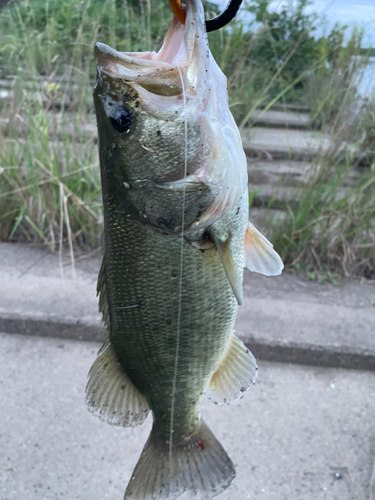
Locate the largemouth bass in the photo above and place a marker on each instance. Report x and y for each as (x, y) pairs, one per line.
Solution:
(177, 238)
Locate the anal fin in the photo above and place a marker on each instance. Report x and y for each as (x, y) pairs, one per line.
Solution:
(236, 372)
(260, 257)
(110, 394)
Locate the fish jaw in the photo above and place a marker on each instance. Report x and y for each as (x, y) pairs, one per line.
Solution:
(181, 65)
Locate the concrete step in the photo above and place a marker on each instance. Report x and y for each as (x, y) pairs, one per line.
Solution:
(73, 85)
(299, 316)
(282, 119)
(316, 324)
(266, 218)
(279, 106)
(78, 133)
(292, 173)
(259, 142)
(274, 196)
(283, 181)
(279, 172)
(273, 143)
(51, 101)
(278, 197)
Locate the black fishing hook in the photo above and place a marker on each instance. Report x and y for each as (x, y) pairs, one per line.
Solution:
(225, 17)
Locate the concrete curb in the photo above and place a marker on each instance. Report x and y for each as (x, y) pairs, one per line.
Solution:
(284, 319)
(47, 326)
(310, 354)
(262, 348)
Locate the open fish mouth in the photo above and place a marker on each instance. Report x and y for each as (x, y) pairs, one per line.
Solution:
(181, 84)
(144, 69)
(181, 62)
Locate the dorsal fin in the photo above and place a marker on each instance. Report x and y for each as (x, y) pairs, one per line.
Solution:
(101, 291)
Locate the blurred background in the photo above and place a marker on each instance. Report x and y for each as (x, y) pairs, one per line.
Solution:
(301, 88)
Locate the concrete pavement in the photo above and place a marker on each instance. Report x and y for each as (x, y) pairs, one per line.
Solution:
(302, 433)
(285, 318)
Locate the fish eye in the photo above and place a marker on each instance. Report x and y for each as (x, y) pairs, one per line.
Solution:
(121, 119)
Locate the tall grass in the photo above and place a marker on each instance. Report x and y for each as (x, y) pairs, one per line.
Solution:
(49, 174)
(50, 185)
(330, 229)
(57, 36)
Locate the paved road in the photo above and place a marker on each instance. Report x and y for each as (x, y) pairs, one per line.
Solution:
(288, 436)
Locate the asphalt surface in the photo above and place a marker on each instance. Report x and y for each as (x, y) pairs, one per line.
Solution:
(304, 433)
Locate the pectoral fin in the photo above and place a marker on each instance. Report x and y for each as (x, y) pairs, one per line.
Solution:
(260, 257)
(222, 241)
(236, 372)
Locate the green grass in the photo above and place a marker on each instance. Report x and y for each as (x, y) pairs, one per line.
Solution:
(330, 232)
(330, 229)
(50, 185)
(58, 36)
(50, 189)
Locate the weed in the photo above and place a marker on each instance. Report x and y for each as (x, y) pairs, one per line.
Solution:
(330, 230)
(49, 175)
(49, 185)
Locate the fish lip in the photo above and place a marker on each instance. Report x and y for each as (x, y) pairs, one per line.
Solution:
(104, 54)
(185, 49)
(126, 66)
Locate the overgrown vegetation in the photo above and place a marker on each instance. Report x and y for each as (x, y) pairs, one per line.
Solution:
(330, 231)
(47, 36)
(49, 176)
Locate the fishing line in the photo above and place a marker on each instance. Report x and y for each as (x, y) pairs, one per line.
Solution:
(180, 280)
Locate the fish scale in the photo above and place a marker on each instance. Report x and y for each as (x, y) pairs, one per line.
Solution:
(139, 265)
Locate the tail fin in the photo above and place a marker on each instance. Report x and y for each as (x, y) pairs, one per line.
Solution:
(199, 465)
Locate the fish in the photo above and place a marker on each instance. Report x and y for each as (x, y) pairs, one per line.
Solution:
(177, 238)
